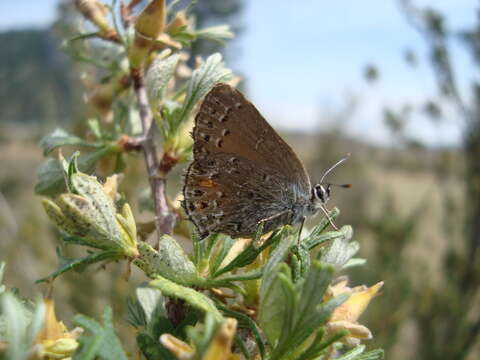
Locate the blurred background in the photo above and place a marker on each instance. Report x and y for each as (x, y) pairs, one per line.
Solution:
(393, 82)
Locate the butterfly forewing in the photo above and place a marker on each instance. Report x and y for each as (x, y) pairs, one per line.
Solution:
(243, 172)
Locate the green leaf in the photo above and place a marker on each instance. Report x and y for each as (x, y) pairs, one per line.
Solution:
(151, 301)
(249, 255)
(352, 354)
(354, 262)
(95, 211)
(153, 305)
(51, 181)
(79, 264)
(16, 319)
(149, 312)
(377, 354)
(246, 322)
(316, 237)
(170, 262)
(159, 74)
(215, 33)
(301, 312)
(212, 71)
(59, 138)
(302, 253)
(273, 308)
(318, 346)
(226, 244)
(243, 276)
(320, 239)
(51, 174)
(37, 320)
(316, 315)
(341, 250)
(95, 127)
(152, 349)
(200, 338)
(192, 297)
(277, 256)
(98, 342)
(135, 313)
(2, 271)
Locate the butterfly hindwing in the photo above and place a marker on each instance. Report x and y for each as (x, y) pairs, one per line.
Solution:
(218, 199)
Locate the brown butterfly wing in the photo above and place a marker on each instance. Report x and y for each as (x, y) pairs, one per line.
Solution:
(229, 123)
(243, 172)
(219, 197)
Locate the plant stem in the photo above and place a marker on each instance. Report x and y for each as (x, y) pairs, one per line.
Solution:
(164, 219)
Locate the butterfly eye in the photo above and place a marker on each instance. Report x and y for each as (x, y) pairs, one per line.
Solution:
(320, 192)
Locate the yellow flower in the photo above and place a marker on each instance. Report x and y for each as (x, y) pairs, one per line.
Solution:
(54, 340)
(219, 348)
(345, 317)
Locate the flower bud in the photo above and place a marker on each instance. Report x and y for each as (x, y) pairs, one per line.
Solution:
(179, 145)
(91, 215)
(96, 12)
(149, 25)
(54, 341)
(180, 20)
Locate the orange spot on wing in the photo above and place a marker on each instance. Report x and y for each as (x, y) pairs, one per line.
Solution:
(207, 183)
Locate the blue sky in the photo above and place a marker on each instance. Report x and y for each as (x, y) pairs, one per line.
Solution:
(303, 60)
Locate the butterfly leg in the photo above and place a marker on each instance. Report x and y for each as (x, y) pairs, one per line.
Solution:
(329, 218)
(273, 217)
(302, 222)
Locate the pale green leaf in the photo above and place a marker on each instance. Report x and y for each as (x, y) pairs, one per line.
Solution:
(2, 271)
(98, 341)
(51, 174)
(272, 298)
(170, 261)
(377, 354)
(16, 319)
(151, 301)
(59, 138)
(212, 71)
(95, 128)
(159, 74)
(192, 297)
(78, 264)
(37, 320)
(277, 256)
(354, 262)
(352, 354)
(341, 250)
(216, 33)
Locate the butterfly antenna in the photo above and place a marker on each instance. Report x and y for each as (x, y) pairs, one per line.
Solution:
(329, 218)
(333, 167)
(346, 186)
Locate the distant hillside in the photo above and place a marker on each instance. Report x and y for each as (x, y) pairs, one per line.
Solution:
(35, 80)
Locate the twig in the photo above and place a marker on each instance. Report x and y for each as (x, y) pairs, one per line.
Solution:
(164, 219)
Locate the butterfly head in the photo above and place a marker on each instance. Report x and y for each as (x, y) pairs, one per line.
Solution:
(321, 194)
(322, 191)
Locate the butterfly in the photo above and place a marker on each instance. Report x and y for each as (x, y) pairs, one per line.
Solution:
(243, 173)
